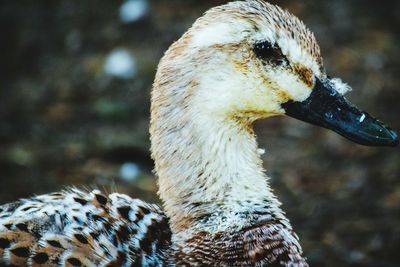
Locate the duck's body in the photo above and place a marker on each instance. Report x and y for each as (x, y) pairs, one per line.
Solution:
(240, 62)
(77, 228)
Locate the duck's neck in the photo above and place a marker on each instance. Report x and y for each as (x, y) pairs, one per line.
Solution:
(210, 173)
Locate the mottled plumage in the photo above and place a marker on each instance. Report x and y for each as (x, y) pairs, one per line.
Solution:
(77, 228)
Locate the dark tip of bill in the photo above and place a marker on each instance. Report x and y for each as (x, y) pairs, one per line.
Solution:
(395, 138)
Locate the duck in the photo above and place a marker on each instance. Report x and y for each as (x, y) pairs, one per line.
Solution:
(240, 62)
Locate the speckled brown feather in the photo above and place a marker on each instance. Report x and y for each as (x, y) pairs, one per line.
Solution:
(76, 228)
(266, 244)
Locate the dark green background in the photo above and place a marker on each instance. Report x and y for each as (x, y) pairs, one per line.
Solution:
(64, 122)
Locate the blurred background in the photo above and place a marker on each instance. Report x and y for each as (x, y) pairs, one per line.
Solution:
(75, 80)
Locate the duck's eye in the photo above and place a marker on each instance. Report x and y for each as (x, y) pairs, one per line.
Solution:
(270, 53)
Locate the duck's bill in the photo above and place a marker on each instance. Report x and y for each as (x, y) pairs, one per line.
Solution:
(327, 108)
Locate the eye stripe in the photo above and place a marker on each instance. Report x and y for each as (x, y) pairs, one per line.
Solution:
(270, 53)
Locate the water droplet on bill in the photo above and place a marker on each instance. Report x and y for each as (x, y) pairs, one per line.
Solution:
(362, 118)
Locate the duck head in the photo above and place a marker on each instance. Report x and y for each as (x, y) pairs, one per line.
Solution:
(254, 60)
